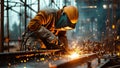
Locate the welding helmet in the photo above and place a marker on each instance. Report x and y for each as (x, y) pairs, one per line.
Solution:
(68, 18)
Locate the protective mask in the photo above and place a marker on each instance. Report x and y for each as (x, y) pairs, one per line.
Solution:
(64, 23)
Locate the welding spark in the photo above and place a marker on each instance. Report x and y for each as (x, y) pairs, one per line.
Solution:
(74, 55)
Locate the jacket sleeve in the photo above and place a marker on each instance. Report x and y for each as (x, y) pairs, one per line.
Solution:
(36, 23)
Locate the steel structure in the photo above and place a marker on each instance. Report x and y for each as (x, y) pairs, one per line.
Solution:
(6, 4)
(1, 25)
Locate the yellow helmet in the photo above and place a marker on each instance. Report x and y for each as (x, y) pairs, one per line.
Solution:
(72, 13)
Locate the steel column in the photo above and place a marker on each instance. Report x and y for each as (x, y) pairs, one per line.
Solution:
(1, 25)
(8, 24)
(38, 5)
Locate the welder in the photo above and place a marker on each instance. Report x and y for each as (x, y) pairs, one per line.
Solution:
(50, 25)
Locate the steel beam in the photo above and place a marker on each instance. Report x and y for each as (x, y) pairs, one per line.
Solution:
(78, 61)
(13, 57)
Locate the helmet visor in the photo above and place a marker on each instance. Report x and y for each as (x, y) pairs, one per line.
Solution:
(64, 23)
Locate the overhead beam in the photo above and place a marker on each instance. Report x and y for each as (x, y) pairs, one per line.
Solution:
(25, 4)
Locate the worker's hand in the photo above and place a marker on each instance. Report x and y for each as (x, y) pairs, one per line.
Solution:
(47, 35)
(52, 39)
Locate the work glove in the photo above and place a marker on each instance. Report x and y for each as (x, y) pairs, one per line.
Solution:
(47, 35)
(52, 39)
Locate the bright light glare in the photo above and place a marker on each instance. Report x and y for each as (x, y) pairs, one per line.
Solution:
(118, 37)
(25, 67)
(74, 55)
(105, 6)
(118, 54)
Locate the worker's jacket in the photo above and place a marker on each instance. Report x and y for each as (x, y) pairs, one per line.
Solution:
(48, 18)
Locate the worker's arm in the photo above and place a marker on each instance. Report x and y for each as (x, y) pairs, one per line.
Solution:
(63, 39)
(39, 20)
(36, 25)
